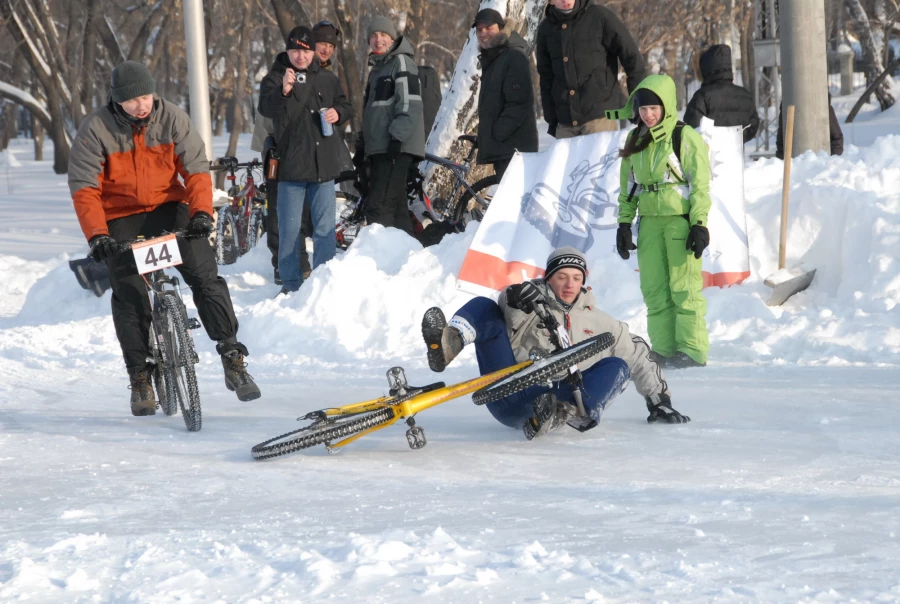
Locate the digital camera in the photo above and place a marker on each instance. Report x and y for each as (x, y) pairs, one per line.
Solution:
(301, 77)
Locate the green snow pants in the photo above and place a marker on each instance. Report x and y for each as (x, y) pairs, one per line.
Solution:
(672, 284)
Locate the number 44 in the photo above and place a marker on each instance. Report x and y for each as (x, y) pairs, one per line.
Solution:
(164, 255)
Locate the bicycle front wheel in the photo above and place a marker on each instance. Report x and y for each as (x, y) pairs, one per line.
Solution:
(469, 208)
(160, 347)
(322, 432)
(543, 370)
(181, 377)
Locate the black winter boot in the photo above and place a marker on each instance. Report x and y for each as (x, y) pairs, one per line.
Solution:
(681, 360)
(550, 413)
(143, 400)
(236, 377)
(444, 343)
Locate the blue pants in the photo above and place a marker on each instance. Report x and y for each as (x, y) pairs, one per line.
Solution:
(291, 197)
(603, 381)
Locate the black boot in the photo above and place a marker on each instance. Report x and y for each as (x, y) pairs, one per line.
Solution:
(143, 400)
(550, 413)
(681, 360)
(236, 377)
(443, 342)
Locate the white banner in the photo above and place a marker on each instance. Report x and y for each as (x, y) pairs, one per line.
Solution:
(568, 195)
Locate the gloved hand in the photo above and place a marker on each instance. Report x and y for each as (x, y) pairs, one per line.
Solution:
(624, 241)
(102, 247)
(661, 411)
(394, 148)
(698, 240)
(523, 296)
(200, 226)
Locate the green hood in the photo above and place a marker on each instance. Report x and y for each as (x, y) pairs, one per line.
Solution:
(664, 87)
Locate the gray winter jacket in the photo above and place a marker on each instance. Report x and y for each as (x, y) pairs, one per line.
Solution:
(393, 102)
(584, 321)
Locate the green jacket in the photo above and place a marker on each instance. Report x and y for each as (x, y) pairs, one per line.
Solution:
(666, 187)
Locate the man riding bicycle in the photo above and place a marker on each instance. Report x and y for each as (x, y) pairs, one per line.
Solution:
(506, 332)
(124, 174)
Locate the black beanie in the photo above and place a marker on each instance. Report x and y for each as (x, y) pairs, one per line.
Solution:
(300, 38)
(643, 97)
(326, 32)
(131, 80)
(565, 257)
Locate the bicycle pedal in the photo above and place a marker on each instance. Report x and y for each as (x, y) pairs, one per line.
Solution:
(415, 436)
(193, 323)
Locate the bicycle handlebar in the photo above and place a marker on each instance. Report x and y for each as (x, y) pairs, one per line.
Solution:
(231, 163)
(125, 246)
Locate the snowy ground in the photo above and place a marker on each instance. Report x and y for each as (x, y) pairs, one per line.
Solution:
(783, 488)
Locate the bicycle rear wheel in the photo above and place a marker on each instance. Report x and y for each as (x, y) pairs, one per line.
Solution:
(485, 189)
(181, 377)
(322, 432)
(543, 370)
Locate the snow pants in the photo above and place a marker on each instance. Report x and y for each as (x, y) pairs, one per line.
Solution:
(672, 285)
(130, 302)
(603, 381)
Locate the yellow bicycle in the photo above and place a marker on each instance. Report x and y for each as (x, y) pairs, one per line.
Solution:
(337, 427)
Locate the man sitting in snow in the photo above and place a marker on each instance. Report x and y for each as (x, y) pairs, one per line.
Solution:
(507, 331)
(138, 167)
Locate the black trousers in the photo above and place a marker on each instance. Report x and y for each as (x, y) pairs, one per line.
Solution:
(130, 302)
(272, 227)
(500, 168)
(387, 204)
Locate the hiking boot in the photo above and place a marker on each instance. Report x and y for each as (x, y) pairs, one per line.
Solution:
(143, 400)
(236, 377)
(681, 360)
(550, 413)
(443, 342)
(658, 358)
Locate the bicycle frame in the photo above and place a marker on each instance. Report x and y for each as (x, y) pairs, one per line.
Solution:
(408, 406)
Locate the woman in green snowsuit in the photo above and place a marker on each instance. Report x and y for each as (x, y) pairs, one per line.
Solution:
(671, 196)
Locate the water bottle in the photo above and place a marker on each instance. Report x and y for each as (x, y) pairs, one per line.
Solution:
(327, 129)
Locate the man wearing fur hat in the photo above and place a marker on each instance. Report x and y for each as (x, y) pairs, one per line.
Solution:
(138, 167)
(506, 332)
(506, 120)
(393, 135)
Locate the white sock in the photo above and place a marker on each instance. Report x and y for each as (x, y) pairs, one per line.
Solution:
(464, 328)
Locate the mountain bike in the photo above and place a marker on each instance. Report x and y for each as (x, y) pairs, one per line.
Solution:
(337, 427)
(171, 346)
(240, 224)
(432, 218)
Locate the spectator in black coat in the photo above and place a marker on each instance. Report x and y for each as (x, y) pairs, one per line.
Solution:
(506, 120)
(719, 98)
(834, 131)
(578, 50)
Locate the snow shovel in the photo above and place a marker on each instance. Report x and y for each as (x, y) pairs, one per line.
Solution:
(785, 283)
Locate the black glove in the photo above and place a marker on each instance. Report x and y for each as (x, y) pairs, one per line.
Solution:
(663, 412)
(200, 226)
(102, 247)
(394, 148)
(523, 296)
(698, 240)
(624, 241)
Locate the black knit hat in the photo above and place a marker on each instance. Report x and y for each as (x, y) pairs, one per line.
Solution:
(300, 38)
(565, 257)
(131, 80)
(489, 16)
(327, 32)
(643, 97)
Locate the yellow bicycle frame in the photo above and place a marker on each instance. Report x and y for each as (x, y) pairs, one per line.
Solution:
(419, 402)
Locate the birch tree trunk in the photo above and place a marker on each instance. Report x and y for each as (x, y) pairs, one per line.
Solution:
(459, 110)
(875, 66)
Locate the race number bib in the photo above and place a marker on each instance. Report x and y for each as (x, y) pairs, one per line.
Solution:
(156, 254)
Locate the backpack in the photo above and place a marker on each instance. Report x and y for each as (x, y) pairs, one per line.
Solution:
(430, 85)
(676, 148)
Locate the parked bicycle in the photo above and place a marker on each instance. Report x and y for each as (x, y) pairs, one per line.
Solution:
(240, 224)
(431, 218)
(171, 344)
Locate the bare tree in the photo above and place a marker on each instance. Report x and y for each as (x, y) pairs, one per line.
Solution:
(874, 65)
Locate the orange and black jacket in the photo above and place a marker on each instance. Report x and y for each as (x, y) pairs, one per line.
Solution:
(119, 167)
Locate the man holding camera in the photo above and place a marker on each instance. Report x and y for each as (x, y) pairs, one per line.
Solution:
(508, 331)
(306, 103)
(137, 168)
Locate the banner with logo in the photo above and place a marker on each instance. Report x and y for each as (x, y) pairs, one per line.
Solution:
(568, 195)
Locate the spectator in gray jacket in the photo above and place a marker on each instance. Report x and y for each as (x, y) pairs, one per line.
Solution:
(393, 135)
(506, 332)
